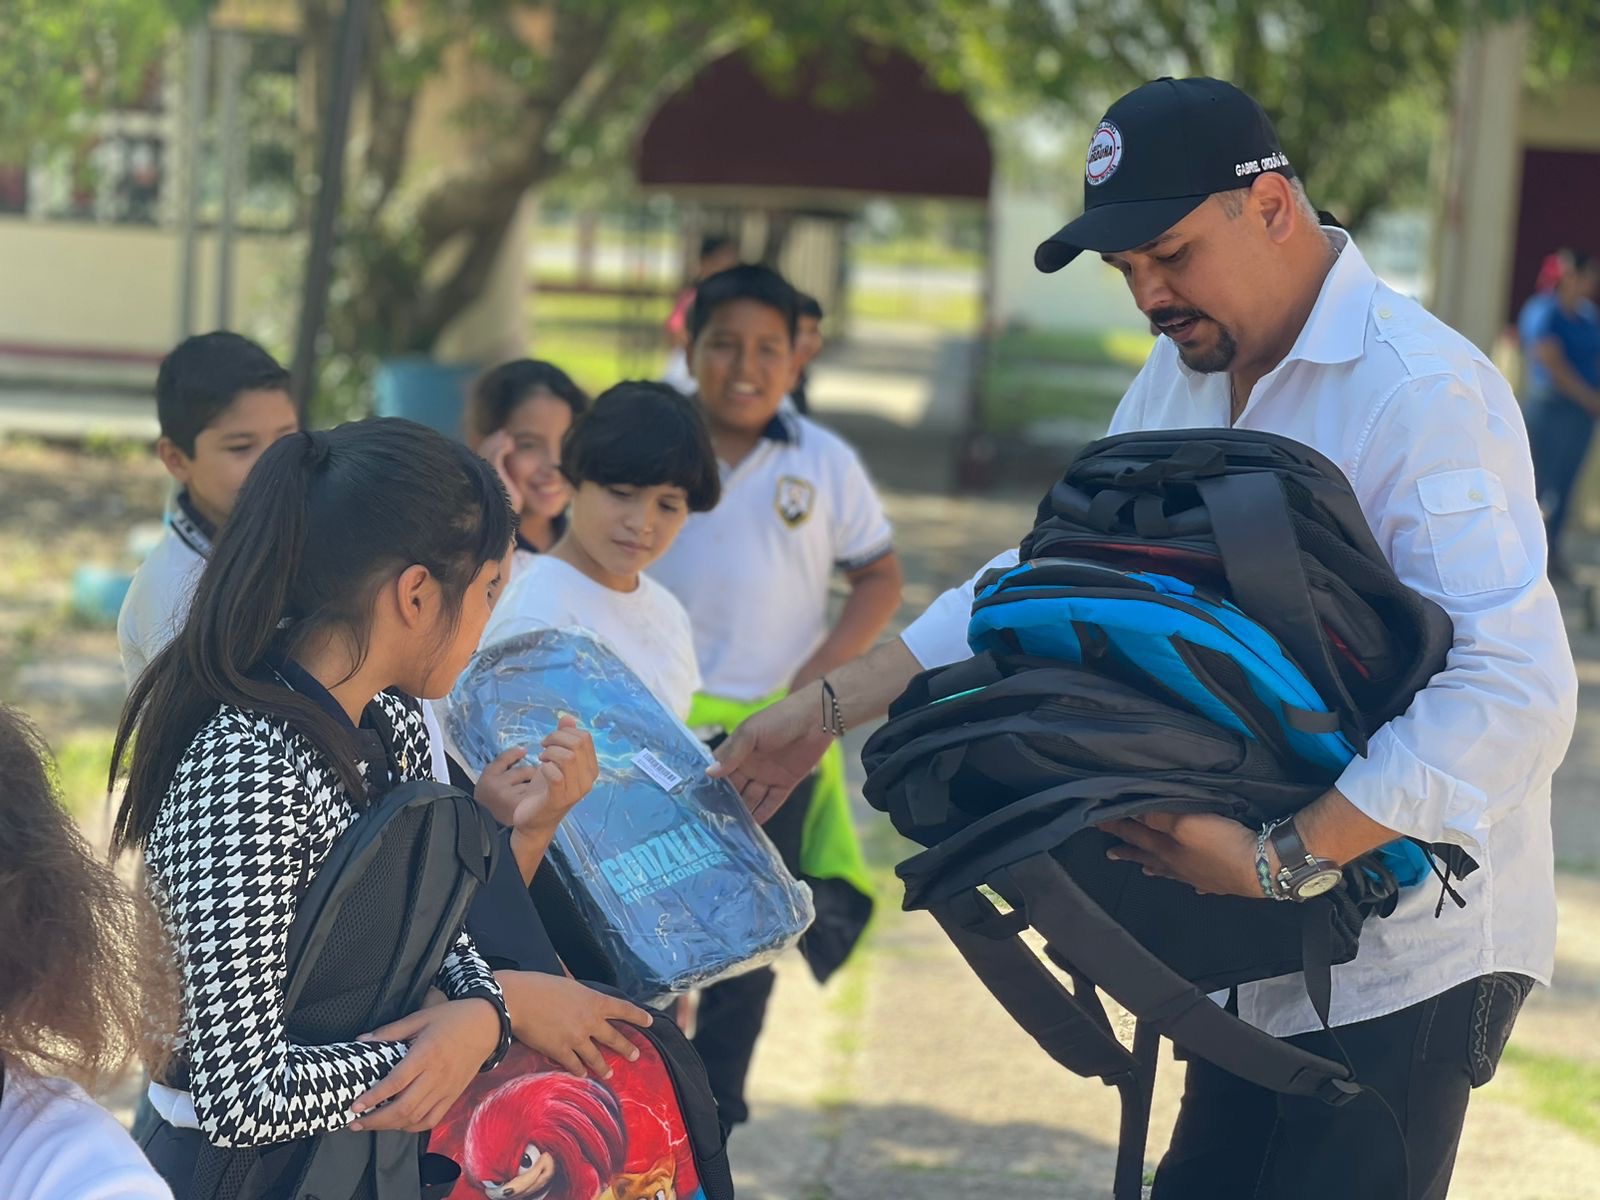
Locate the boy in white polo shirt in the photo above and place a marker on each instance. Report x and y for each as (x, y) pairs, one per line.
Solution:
(754, 575)
(221, 400)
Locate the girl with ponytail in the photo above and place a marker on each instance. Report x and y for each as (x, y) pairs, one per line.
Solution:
(356, 573)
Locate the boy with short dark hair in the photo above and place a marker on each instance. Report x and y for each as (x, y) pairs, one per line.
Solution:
(639, 461)
(755, 575)
(221, 400)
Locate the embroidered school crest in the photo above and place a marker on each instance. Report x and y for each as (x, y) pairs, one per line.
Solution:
(794, 500)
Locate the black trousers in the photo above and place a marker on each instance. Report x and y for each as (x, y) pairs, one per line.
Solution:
(1237, 1141)
(730, 1016)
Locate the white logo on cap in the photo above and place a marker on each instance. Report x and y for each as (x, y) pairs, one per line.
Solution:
(1105, 153)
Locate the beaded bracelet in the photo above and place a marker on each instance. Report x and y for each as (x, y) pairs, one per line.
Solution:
(832, 717)
(1263, 867)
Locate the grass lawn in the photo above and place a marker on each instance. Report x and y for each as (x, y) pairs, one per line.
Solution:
(916, 252)
(956, 312)
(599, 339)
(1076, 376)
(1566, 1091)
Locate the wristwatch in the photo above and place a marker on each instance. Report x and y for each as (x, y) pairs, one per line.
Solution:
(1301, 875)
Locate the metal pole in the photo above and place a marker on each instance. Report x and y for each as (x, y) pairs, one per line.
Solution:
(231, 69)
(324, 216)
(194, 115)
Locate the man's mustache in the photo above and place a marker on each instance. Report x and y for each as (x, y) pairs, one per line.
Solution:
(1171, 316)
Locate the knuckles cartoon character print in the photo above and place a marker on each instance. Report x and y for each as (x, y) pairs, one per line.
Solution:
(530, 1131)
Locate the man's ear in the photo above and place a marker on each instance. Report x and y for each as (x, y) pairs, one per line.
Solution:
(178, 464)
(1272, 196)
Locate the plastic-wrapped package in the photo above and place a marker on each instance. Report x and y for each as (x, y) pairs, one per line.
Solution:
(677, 881)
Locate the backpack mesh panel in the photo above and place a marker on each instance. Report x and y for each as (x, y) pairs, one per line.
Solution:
(348, 979)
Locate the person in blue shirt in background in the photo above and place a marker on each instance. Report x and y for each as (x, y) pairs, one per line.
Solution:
(1560, 333)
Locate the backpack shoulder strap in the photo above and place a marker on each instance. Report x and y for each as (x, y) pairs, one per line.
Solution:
(1254, 534)
(1084, 935)
(1071, 1026)
(454, 848)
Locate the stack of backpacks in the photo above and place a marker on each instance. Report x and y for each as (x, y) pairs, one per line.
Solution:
(1201, 621)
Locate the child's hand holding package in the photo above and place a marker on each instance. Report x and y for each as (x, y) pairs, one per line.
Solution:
(532, 797)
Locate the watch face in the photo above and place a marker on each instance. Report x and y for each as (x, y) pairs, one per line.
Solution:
(1315, 885)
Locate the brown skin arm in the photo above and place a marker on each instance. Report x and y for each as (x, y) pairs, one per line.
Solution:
(1567, 380)
(779, 746)
(1217, 855)
(874, 596)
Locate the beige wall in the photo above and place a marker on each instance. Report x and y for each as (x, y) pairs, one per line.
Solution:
(1567, 118)
(116, 287)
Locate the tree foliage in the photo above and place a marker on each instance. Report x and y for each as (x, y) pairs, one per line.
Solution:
(1358, 89)
(61, 62)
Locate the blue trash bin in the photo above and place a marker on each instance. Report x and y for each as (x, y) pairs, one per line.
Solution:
(98, 592)
(419, 389)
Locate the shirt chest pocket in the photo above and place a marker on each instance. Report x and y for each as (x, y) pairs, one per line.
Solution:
(1475, 544)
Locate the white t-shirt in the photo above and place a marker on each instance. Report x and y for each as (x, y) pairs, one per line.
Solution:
(1433, 444)
(754, 572)
(647, 627)
(158, 600)
(57, 1143)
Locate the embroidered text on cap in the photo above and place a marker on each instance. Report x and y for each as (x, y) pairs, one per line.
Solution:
(1105, 153)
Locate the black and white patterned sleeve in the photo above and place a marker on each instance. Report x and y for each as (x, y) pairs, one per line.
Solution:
(465, 974)
(221, 867)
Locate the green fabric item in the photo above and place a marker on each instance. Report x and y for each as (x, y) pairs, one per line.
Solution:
(829, 848)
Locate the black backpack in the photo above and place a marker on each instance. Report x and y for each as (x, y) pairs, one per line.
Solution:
(1002, 765)
(1272, 523)
(368, 939)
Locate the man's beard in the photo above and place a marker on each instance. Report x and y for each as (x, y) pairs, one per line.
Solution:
(1207, 361)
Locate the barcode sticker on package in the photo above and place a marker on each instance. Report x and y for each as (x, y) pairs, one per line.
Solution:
(657, 770)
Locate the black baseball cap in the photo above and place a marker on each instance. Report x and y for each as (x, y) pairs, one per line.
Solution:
(1158, 153)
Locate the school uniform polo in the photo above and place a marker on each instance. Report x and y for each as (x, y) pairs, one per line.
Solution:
(754, 572)
(163, 588)
(1430, 437)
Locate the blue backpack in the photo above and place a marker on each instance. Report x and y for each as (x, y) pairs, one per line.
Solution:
(1168, 637)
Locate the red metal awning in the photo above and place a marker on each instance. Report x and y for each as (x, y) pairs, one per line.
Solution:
(895, 134)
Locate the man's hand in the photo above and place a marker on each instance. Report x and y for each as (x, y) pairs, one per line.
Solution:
(1212, 854)
(771, 752)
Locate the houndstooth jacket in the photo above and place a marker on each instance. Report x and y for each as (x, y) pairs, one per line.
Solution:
(253, 810)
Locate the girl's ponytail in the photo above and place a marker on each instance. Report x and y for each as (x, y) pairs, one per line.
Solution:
(239, 604)
(324, 519)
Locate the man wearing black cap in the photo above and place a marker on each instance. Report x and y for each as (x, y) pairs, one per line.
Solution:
(1273, 321)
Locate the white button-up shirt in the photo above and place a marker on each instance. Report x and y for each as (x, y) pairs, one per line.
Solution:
(1430, 436)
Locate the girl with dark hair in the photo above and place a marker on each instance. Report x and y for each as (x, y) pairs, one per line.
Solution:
(519, 414)
(356, 573)
(86, 983)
